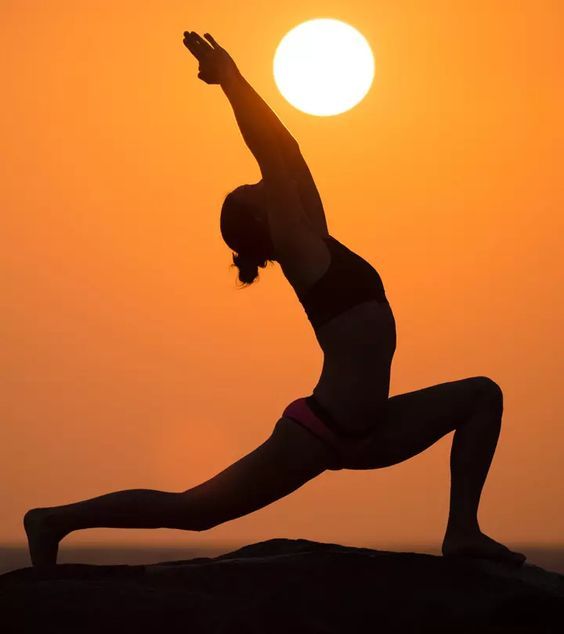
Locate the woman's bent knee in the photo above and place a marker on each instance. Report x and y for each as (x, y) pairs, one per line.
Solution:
(488, 392)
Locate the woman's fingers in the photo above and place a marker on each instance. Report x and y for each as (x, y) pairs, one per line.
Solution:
(201, 42)
(210, 39)
(192, 48)
(196, 45)
(191, 44)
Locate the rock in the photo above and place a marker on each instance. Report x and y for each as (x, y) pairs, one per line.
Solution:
(287, 586)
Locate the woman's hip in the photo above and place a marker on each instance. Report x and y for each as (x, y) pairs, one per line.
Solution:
(347, 446)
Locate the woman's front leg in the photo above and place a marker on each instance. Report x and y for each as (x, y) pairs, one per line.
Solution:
(472, 408)
(284, 462)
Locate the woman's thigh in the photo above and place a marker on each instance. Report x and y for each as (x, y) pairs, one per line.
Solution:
(414, 421)
(288, 459)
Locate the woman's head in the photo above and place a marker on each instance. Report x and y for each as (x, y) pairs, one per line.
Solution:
(244, 228)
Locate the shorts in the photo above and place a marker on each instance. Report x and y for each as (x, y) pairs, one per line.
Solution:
(345, 447)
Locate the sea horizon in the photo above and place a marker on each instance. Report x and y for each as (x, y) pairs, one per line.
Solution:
(15, 556)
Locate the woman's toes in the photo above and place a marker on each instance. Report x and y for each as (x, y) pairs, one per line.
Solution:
(481, 546)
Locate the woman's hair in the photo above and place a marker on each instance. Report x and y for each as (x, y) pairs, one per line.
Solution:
(245, 235)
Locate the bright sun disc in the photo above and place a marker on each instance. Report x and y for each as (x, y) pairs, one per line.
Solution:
(323, 67)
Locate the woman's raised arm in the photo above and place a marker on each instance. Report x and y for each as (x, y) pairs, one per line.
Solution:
(263, 132)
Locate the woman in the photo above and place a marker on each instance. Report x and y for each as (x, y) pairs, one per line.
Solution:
(349, 421)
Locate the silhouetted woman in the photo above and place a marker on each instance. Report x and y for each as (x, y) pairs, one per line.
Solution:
(349, 421)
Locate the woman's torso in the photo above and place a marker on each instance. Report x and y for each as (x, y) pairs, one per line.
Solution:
(355, 327)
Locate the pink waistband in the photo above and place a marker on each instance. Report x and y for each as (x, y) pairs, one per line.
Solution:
(345, 448)
(299, 410)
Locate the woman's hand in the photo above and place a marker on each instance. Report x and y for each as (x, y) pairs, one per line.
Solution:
(216, 65)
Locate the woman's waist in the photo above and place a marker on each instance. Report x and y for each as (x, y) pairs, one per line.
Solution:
(358, 355)
(369, 325)
(361, 378)
(354, 406)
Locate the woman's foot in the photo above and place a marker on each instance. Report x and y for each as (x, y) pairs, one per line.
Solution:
(42, 536)
(476, 545)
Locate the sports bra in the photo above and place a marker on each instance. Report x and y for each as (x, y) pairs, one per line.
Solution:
(349, 280)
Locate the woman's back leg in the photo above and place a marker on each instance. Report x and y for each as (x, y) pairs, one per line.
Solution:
(289, 458)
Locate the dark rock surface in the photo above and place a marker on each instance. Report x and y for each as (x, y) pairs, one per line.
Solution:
(287, 586)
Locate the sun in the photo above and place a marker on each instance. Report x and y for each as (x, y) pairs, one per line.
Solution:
(324, 67)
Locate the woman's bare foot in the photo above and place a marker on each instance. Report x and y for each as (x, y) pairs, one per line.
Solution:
(42, 536)
(479, 546)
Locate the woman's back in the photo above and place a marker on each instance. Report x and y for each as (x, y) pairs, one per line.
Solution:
(355, 327)
(349, 280)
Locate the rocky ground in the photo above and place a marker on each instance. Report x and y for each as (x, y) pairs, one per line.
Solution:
(287, 586)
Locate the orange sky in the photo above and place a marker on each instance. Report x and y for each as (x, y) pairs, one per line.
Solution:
(129, 358)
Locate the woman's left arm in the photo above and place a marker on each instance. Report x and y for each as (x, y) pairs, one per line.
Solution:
(258, 123)
(263, 132)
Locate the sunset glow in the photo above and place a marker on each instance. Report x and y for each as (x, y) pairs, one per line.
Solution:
(131, 358)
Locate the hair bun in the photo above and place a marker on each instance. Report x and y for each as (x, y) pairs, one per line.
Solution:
(248, 266)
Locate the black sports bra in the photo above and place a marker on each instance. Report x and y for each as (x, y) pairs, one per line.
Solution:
(349, 280)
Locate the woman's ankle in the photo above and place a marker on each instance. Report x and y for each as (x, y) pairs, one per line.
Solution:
(462, 526)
